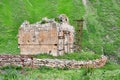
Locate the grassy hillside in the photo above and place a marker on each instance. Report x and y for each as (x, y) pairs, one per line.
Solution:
(108, 72)
(13, 13)
(101, 22)
(102, 28)
(101, 35)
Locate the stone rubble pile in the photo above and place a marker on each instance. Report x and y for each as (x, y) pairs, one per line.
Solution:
(26, 61)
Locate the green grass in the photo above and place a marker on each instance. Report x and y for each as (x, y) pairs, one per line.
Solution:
(72, 56)
(100, 36)
(13, 13)
(46, 73)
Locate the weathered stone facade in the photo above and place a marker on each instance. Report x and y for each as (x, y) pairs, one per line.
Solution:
(47, 36)
(25, 61)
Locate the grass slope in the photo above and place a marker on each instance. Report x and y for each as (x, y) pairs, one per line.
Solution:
(100, 35)
(101, 32)
(13, 13)
(101, 22)
(109, 72)
(71, 56)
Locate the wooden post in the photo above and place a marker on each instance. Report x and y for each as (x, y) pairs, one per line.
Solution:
(32, 61)
(22, 60)
(78, 37)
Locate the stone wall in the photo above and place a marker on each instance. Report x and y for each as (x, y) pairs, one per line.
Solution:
(46, 36)
(27, 61)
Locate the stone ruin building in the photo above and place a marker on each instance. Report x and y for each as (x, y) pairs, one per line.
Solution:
(49, 36)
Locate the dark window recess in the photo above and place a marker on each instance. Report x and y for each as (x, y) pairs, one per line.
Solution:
(66, 19)
(72, 48)
(34, 37)
(60, 20)
(61, 50)
(33, 40)
(66, 32)
(26, 24)
(60, 37)
(50, 51)
(55, 44)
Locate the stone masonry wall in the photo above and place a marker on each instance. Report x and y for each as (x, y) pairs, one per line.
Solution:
(46, 36)
(26, 61)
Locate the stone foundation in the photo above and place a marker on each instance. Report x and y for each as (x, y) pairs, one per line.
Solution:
(26, 61)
